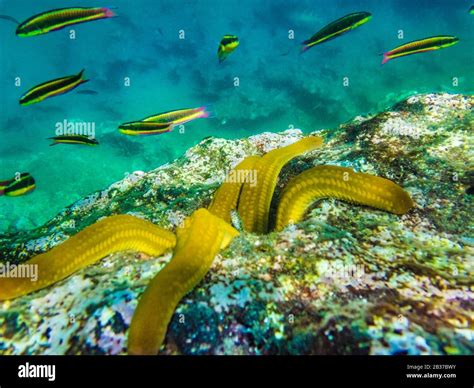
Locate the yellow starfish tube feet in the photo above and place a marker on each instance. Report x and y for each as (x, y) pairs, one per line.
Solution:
(341, 183)
(199, 240)
(226, 197)
(110, 235)
(255, 201)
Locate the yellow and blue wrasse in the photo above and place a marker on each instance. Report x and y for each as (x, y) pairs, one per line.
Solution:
(22, 185)
(57, 19)
(471, 10)
(74, 139)
(180, 116)
(420, 46)
(52, 88)
(337, 28)
(228, 44)
(136, 128)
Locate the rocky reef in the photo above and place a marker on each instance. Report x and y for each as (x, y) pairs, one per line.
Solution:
(346, 280)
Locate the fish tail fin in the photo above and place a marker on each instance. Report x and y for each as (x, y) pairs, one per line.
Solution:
(81, 76)
(304, 48)
(385, 58)
(108, 13)
(4, 185)
(208, 111)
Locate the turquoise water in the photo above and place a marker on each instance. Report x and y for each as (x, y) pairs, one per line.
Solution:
(278, 87)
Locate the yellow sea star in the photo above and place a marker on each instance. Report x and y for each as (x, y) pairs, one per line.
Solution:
(204, 234)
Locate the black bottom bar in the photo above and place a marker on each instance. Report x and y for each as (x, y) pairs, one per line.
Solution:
(248, 371)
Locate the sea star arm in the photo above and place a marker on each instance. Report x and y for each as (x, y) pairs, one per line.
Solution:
(341, 183)
(199, 241)
(255, 200)
(226, 197)
(110, 235)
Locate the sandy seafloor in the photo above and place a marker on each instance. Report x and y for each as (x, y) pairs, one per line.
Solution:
(279, 88)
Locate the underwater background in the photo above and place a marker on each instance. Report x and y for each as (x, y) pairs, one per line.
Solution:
(278, 88)
(128, 247)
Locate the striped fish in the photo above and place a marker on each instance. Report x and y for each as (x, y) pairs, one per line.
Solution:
(420, 46)
(57, 19)
(135, 128)
(337, 28)
(21, 186)
(52, 88)
(180, 116)
(228, 44)
(73, 139)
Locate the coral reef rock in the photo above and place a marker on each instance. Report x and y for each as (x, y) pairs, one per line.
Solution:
(346, 280)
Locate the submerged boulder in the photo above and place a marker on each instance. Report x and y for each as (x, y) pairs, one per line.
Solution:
(346, 280)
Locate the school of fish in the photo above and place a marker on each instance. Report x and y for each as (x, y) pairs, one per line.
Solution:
(57, 19)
